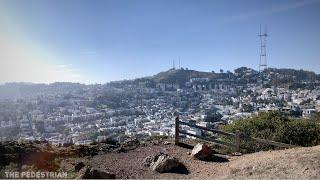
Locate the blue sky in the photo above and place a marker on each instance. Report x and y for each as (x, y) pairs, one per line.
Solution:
(96, 41)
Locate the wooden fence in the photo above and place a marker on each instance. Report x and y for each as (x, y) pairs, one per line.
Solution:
(238, 136)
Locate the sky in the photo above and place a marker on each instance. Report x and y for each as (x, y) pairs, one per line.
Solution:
(97, 41)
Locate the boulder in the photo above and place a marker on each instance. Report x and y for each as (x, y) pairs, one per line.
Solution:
(163, 163)
(84, 173)
(92, 173)
(79, 166)
(166, 163)
(202, 151)
(150, 160)
(129, 144)
(98, 174)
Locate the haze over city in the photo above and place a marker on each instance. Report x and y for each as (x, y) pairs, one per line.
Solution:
(159, 89)
(81, 41)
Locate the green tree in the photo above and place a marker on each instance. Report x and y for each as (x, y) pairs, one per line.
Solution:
(277, 127)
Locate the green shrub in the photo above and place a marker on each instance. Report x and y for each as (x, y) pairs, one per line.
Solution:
(277, 127)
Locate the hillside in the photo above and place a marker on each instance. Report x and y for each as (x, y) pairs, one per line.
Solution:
(297, 163)
(127, 161)
(180, 76)
(294, 163)
(241, 76)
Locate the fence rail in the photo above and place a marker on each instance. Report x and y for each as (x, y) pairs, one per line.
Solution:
(207, 129)
(210, 139)
(236, 136)
(274, 143)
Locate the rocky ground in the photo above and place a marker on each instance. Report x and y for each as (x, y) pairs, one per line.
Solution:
(129, 161)
(290, 163)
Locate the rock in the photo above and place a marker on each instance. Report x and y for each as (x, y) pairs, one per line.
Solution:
(166, 163)
(130, 144)
(202, 151)
(189, 153)
(237, 154)
(163, 163)
(150, 160)
(107, 147)
(79, 166)
(84, 173)
(143, 144)
(98, 174)
(92, 173)
(155, 142)
(167, 143)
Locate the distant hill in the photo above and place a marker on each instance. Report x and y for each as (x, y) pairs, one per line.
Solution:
(180, 76)
(241, 76)
(297, 75)
(292, 78)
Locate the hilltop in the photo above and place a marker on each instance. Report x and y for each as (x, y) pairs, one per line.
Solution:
(298, 163)
(126, 161)
(180, 76)
(240, 75)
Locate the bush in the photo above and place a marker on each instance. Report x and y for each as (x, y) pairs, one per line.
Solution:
(316, 117)
(277, 127)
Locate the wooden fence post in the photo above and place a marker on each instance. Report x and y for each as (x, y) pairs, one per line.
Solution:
(176, 135)
(237, 142)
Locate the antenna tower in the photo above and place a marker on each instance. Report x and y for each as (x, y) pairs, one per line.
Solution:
(263, 49)
(173, 64)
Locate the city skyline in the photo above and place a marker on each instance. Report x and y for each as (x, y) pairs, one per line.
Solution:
(81, 41)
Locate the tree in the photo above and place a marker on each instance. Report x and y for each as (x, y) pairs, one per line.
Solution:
(316, 117)
(277, 127)
(221, 70)
(247, 108)
(214, 117)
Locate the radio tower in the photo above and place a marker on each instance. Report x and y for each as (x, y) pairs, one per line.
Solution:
(263, 49)
(173, 64)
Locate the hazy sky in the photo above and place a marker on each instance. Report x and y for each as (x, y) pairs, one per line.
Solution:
(95, 41)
